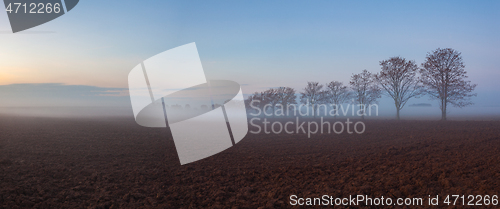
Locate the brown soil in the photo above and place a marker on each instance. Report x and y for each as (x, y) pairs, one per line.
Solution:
(114, 163)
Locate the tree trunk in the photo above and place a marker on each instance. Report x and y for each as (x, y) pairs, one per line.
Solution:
(313, 112)
(445, 98)
(336, 110)
(443, 111)
(443, 114)
(397, 114)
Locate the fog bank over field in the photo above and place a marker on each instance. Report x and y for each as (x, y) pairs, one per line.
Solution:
(68, 112)
(58, 100)
(486, 106)
(386, 111)
(60, 95)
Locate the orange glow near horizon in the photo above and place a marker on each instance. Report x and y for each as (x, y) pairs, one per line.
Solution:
(16, 75)
(6, 78)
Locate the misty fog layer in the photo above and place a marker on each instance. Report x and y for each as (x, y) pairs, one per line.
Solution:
(57, 100)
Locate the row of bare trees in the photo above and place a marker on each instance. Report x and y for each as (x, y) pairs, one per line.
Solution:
(442, 77)
(282, 95)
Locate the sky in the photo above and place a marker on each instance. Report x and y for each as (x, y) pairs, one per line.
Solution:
(259, 44)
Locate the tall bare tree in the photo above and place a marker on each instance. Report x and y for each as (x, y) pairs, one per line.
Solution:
(259, 100)
(285, 96)
(270, 98)
(365, 88)
(312, 95)
(400, 81)
(443, 74)
(337, 93)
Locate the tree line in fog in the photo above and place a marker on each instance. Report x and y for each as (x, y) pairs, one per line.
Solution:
(442, 77)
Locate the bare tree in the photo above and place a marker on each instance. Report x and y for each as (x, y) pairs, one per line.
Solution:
(256, 100)
(337, 94)
(400, 81)
(312, 95)
(263, 100)
(443, 74)
(366, 90)
(285, 96)
(270, 98)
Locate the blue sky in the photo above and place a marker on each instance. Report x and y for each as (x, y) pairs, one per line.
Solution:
(257, 43)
